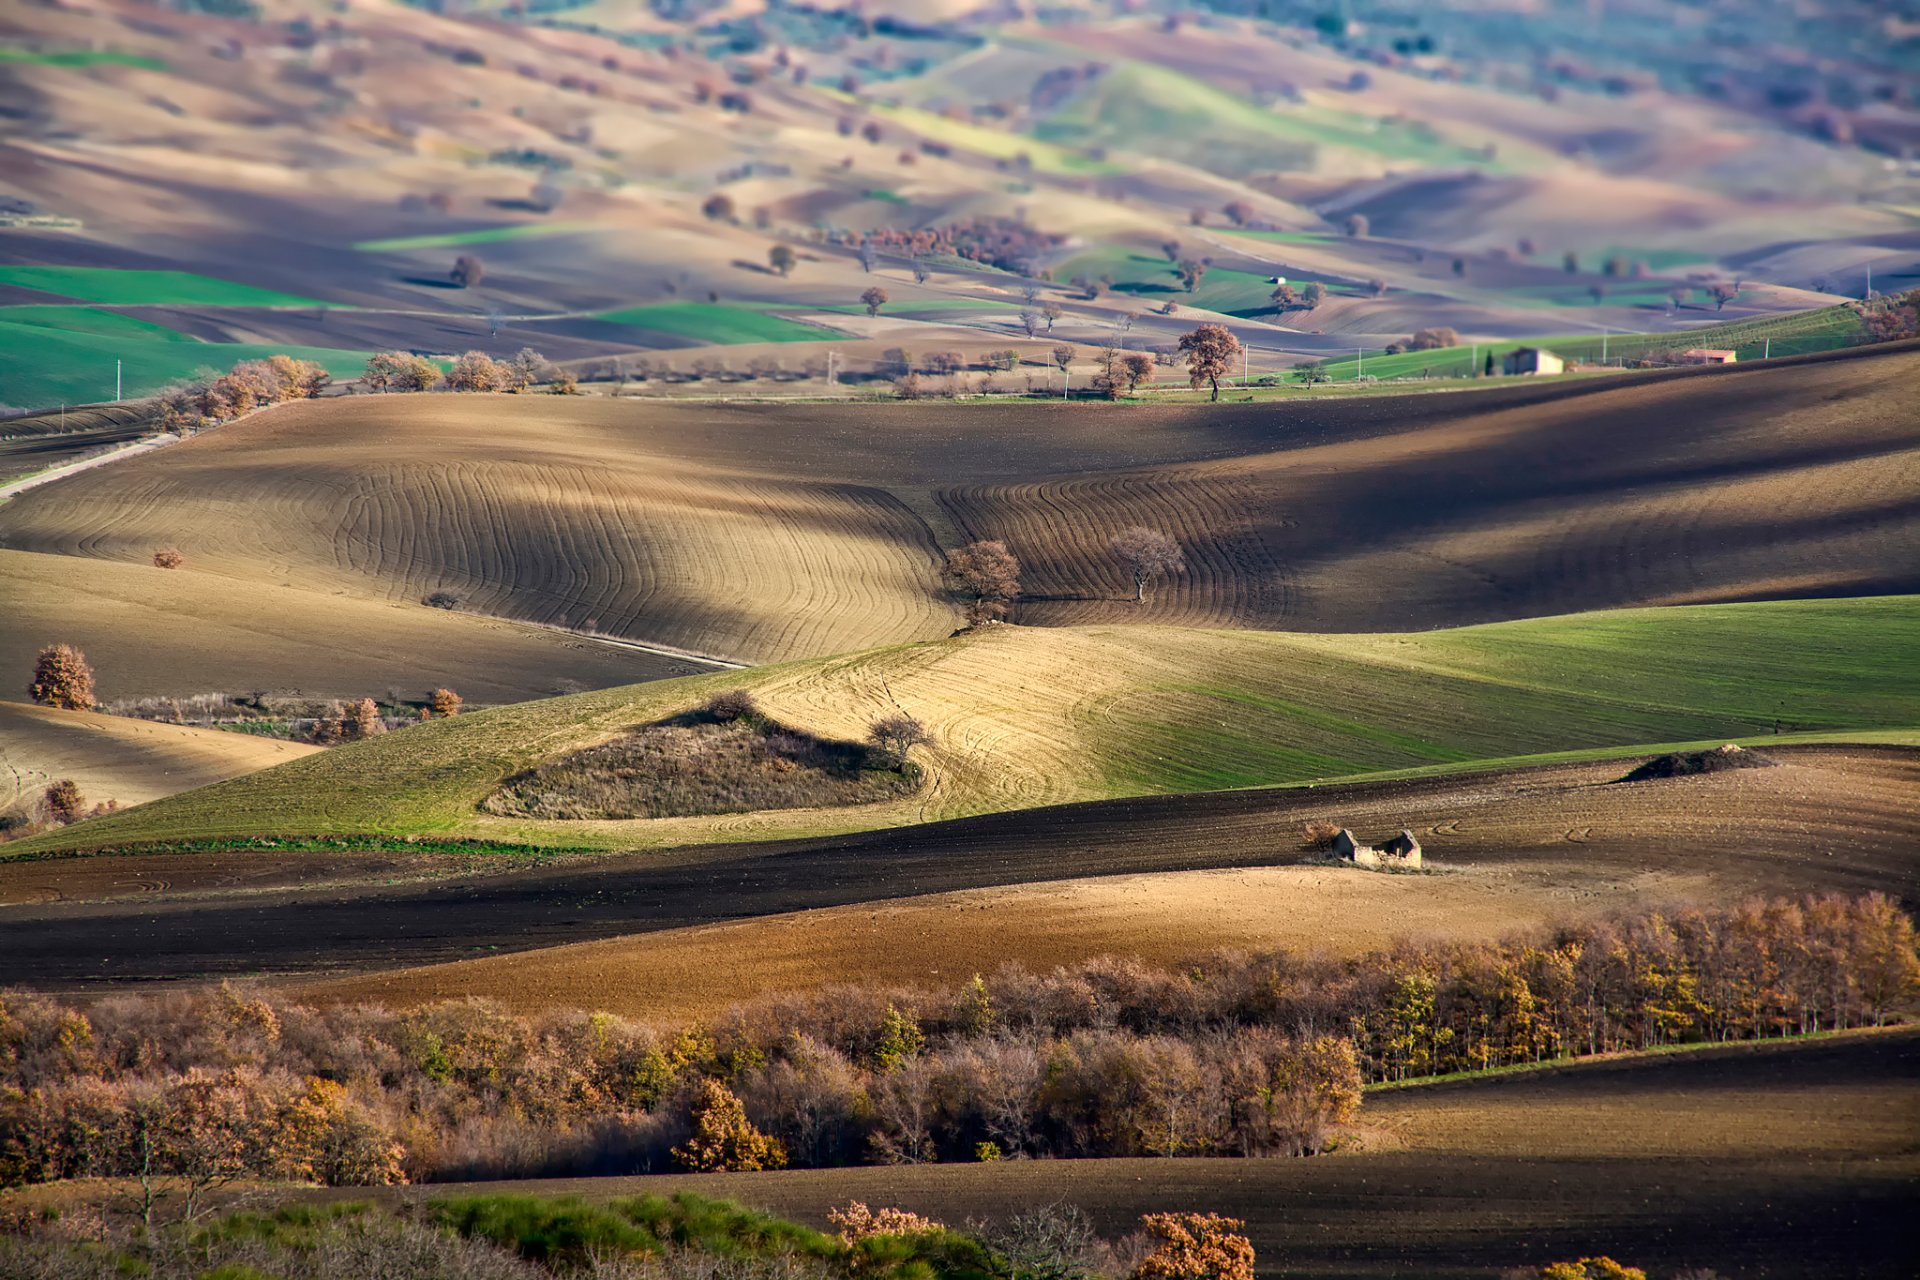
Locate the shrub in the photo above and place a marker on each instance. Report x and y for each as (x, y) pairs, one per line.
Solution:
(444, 703)
(734, 704)
(62, 678)
(64, 802)
(854, 1222)
(1320, 835)
(723, 1138)
(168, 558)
(467, 271)
(563, 384)
(363, 720)
(1195, 1246)
(442, 599)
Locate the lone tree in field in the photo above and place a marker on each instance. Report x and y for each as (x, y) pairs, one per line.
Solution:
(168, 558)
(1722, 294)
(718, 207)
(1313, 295)
(1063, 357)
(445, 703)
(1191, 271)
(1238, 212)
(893, 736)
(467, 271)
(1136, 368)
(985, 576)
(1285, 298)
(1311, 372)
(874, 298)
(1148, 555)
(1358, 226)
(781, 258)
(1171, 248)
(64, 802)
(1378, 288)
(1210, 352)
(62, 678)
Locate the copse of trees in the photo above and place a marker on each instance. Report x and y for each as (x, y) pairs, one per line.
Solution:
(1231, 1054)
(400, 371)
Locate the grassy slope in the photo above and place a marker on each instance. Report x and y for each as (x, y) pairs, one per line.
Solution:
(125, 288)
(716, 323)
(1796, 333)
(479, 235)
(1025, 717)
(43, 364)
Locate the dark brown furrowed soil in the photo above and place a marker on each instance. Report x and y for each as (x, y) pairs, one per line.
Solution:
(1754, 831)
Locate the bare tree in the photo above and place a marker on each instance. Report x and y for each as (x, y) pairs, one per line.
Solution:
(1051, 311)
(1030, 322)
(986, 578)
(1148, 555)
(893, 736)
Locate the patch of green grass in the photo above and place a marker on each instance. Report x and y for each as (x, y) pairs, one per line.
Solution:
(129, 288)
(716, 322)
(995, 144)
(1151, 277)
(1283, 237)
(885, 196)
(480, 235)
(79, 58)
(1184, 710)
(42, 364)
(1791, 334)
(1140, 107)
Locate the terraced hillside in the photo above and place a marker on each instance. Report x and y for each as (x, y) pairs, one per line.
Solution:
(768, 533)
(1029, 716)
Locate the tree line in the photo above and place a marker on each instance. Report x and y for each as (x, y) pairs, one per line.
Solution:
(1231, 1054)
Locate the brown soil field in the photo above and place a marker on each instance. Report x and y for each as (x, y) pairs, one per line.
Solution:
(1778, 1160)
(1513, 849)
(767, 532)
(128, 761)
(170, 633)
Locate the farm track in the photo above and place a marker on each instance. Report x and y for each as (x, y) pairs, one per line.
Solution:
(772, 532)
(1723, 837)
(1794, 1161)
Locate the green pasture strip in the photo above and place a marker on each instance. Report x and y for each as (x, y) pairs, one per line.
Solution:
(120, 287)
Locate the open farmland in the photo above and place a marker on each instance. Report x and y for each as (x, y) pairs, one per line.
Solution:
(1723, 1157)
(1024, 716)
(176, 632)
(732, 531)
(126, 761)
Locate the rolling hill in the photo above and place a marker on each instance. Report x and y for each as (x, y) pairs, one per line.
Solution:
(1024, 716)
(127, 761)
(774, 532)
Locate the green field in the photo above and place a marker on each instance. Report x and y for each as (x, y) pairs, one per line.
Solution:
(995, 144)
(66, 355)
(716, 322)
(1152, 710)
(1792, 334)
(114, 286)
(1223, 289)
(480, 235)
(1139, 107)
(79, 58)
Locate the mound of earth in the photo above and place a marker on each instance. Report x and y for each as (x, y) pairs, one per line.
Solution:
(696, 766)
(1682, 764)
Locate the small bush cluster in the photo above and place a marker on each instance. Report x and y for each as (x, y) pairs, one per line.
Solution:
(726, 757)
(473, 371)
(60, 805)
(249, 385)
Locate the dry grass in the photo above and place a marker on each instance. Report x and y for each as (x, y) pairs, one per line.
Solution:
(679, 770)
